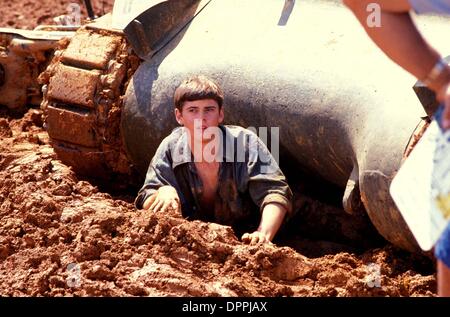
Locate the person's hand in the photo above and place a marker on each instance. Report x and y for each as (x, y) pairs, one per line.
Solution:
(255, 238)
(166, 197)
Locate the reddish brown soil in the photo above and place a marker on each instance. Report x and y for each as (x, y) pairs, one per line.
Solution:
(27, 14)
(60, 235)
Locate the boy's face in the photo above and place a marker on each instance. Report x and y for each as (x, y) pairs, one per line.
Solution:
(200, 115)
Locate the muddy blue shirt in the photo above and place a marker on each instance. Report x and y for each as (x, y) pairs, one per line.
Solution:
(249, 177)
(430, 6)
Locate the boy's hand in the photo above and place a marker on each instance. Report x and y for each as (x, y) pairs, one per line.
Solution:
(255, 238)
(166, 197)
(272, 217)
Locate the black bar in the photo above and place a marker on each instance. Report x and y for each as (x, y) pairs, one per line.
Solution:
(229, 307)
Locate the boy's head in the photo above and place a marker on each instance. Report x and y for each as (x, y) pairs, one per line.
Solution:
(198, 104)
(197, 87)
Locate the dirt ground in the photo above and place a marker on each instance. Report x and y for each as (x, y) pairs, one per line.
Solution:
(27, 14)
(64, 236)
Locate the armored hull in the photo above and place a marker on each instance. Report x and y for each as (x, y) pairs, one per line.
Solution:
(344, 110)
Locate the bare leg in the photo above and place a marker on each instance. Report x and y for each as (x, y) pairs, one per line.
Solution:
(443, 279)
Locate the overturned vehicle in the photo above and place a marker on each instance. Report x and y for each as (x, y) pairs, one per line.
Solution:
(344, 111)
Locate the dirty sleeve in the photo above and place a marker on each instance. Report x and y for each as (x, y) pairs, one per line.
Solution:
(159, 173)
(266, 182)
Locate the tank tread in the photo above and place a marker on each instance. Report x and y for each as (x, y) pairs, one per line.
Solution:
(82, 101)
(20, 65)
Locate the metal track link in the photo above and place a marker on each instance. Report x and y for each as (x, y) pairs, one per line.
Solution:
(82, 101)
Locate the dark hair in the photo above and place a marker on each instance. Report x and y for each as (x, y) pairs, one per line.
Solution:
(197, 88)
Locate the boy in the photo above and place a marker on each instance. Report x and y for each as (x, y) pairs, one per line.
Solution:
(213, 172)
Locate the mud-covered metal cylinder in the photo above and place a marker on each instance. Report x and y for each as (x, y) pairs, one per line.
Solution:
(343, 109)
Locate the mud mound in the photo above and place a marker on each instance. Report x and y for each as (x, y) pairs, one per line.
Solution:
(27, 14)
(61, 236)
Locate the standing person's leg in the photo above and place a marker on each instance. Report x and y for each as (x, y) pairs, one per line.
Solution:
(442, 252)
(443, 279)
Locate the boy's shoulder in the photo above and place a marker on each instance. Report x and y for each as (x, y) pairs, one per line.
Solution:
(175, 134)
(170, 142)
(237, 131)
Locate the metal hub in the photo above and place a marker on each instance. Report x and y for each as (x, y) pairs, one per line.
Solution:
(2, 75)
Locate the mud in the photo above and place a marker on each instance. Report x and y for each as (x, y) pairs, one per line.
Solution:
(61, 235)
(27, 14)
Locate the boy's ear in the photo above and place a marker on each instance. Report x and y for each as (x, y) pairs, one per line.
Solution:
(178, 116)
(221, 115)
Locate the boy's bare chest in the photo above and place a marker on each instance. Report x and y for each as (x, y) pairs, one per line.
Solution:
(209, 175)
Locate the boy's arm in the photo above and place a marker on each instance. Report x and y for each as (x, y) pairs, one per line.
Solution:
(271, 220)
(269, 190)
(164, 198)
(160, 186)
